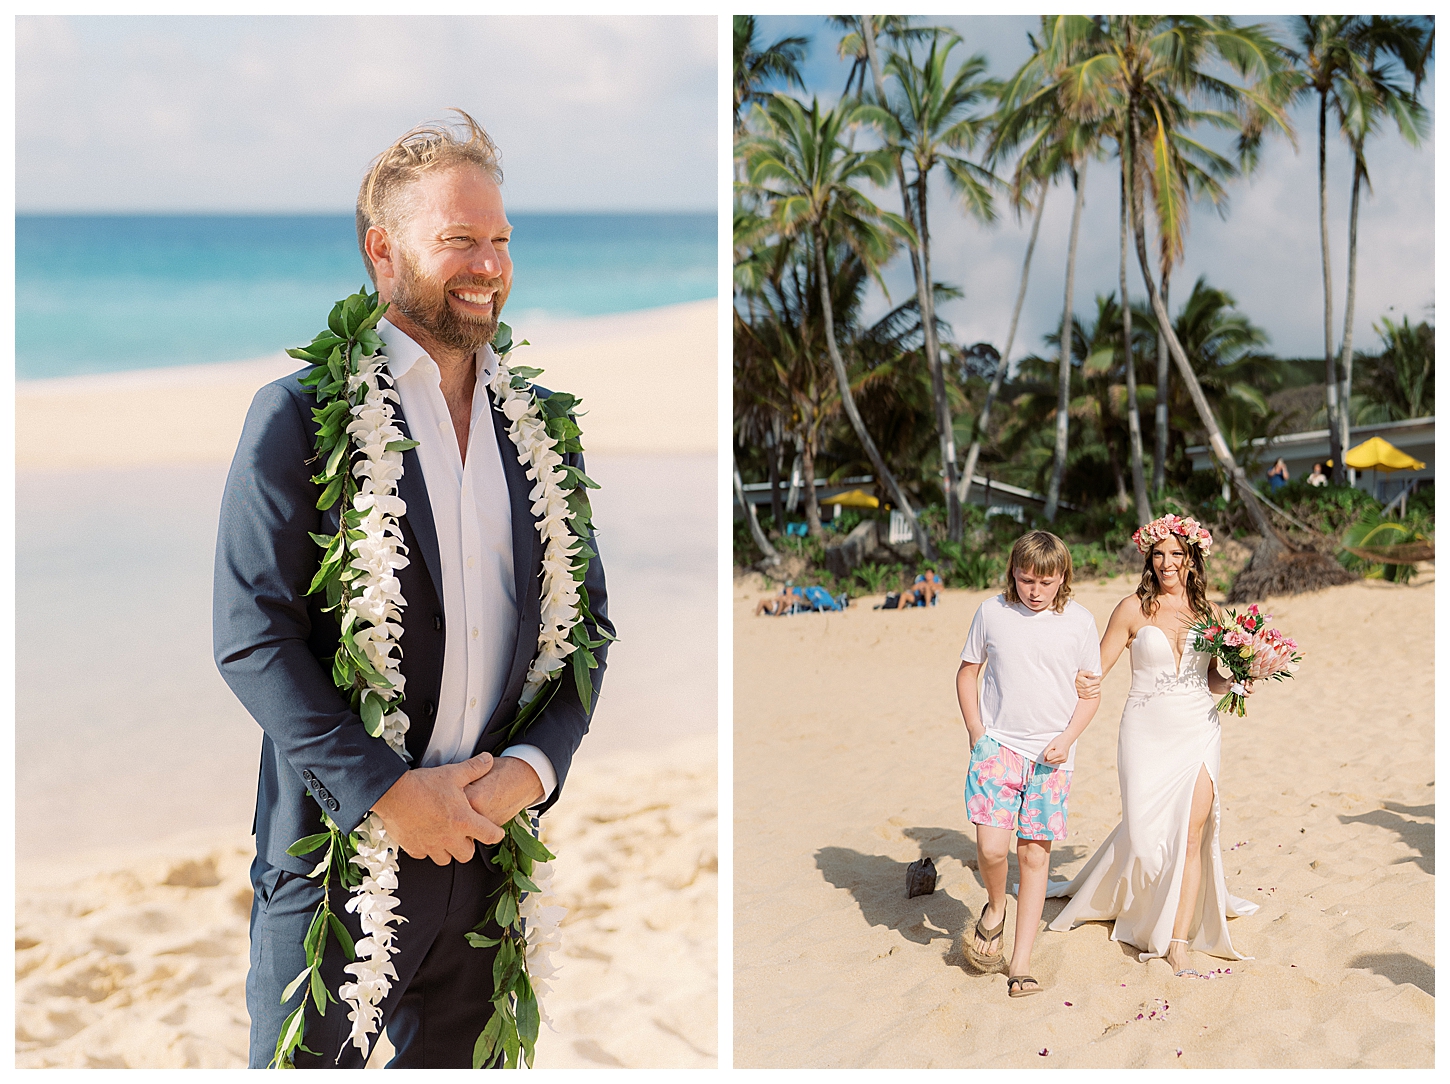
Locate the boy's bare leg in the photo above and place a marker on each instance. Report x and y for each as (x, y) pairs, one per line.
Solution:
(1032, 857)
(993, 845)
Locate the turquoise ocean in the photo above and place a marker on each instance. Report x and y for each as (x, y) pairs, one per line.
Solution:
(106, 293)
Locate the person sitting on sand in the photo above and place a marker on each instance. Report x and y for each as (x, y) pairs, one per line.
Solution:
(923, 592)
(1024, 724)
(776, 605)
(1317, 477)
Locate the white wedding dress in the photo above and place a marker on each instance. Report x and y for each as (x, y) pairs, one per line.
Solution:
(1169, 728)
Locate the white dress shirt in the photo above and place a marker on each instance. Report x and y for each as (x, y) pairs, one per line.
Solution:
(473, 519)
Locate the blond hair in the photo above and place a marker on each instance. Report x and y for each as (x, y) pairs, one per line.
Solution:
(1045, 555)
(424, 149)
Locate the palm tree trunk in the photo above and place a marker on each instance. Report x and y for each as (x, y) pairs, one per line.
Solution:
(965, 484)
(808, 469)
(1160, 408)
(1064, 365)
(1331, 380)
(761, 542)
(848, 402)
(921, 272)
(1121, 501)
(1271, 539)
(945, 438)
(1135, 434)
(1346, 357)
(772, 456)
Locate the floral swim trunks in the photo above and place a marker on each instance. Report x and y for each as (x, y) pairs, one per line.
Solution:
(1006, 790)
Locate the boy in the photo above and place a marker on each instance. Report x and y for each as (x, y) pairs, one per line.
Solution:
(1032, 640)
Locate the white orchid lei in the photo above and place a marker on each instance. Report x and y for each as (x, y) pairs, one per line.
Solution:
(362, 450)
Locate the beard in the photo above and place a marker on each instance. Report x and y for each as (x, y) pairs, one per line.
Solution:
(424, 301)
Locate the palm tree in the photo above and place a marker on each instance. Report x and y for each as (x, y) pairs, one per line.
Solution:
(1369, 99)
(1401, 380)
(859, 43)
(807, 176)
(934, 121)
(1336, 65)
(1226, 352)
(994, 388)
(1155, 68)
(755, 67)
(1034, 115)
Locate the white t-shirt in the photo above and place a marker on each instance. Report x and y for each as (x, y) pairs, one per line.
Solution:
(1028, 693)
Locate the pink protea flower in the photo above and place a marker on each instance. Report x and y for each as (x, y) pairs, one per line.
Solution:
(1271, 655)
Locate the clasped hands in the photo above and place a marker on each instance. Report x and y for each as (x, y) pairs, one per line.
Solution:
(438, 813)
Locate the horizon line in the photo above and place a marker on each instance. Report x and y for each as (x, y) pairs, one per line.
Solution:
(198, 211)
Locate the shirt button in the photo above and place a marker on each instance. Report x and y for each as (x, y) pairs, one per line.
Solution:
(473, 703)
(475, 634)
(470, 562)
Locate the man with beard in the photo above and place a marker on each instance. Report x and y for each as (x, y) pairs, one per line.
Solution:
(434, 238)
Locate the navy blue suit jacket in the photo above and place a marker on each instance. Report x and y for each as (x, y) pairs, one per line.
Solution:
(274, 644)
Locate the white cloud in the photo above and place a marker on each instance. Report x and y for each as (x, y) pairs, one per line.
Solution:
(280, 113)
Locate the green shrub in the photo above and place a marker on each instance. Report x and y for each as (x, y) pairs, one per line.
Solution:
(873, 577)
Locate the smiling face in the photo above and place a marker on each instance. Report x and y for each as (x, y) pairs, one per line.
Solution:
(1036, 590)
(446, 269)
(1169, 561)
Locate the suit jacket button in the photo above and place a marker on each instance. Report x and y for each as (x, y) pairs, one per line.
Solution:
(332, 804)
(438, 621)
(429, 709)
(306, 775)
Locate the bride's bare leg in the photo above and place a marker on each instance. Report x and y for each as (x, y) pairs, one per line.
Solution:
(1198, 814)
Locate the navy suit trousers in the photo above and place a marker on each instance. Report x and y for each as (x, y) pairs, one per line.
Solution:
(440, 1000)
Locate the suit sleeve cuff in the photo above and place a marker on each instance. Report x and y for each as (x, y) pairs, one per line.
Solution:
(534, 757)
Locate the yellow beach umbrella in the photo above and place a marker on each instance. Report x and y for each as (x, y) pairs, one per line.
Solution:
(1379, 454)
(853, 499)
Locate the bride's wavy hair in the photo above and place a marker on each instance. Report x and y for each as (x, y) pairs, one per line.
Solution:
(1195, 582)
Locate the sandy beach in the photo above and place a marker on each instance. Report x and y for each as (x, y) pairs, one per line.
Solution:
(193, 414)
(857, 752)
(132, 892)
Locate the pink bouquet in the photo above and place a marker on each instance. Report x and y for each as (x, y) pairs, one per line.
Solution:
(1249, 650)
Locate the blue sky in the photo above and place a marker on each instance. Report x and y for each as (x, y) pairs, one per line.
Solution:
(1265, 251)
(279, 113)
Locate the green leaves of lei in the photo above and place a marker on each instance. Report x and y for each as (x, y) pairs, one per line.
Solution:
(335, 355)
(509, 1037)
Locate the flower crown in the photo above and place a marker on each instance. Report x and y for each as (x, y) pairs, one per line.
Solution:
(1189, 530)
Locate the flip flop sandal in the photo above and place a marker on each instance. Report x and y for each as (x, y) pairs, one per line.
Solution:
(1022, 990)
(980, 960)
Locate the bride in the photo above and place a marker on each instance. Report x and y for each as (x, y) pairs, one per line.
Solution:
(1159, 875)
